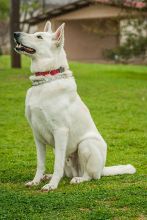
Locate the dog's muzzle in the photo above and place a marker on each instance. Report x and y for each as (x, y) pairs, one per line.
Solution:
(20, 47)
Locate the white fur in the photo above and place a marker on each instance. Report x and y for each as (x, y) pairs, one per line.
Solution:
(58, 117)
(119, 169)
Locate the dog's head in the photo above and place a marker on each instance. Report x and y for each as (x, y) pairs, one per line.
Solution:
(40, 44)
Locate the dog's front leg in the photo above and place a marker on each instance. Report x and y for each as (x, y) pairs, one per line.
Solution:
(41, 151)
(61, 139)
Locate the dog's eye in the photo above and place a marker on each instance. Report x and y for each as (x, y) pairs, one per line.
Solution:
(39, 37)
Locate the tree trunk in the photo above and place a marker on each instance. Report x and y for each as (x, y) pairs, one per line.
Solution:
(14, 27)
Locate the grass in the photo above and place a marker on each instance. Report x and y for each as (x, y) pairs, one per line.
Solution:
(117, 98)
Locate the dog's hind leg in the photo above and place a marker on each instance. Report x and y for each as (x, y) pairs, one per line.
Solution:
(71, 168)
(91, 160)
(41, 152)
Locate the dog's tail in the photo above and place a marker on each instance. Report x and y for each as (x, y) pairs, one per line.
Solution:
(118, 170)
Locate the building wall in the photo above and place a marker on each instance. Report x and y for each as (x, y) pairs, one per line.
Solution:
(86, 40)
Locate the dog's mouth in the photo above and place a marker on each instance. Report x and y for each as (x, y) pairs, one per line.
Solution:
(22, 48)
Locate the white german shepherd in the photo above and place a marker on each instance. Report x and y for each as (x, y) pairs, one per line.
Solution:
(57, 115)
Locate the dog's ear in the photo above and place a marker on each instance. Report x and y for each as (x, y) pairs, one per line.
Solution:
(59, 36)
(47, 27)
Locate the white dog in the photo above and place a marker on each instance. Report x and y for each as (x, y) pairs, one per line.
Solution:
(57, 115)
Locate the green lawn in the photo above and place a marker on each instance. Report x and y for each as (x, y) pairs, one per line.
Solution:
(117, 98)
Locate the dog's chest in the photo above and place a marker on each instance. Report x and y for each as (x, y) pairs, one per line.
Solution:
(39, 119)
(47, 109)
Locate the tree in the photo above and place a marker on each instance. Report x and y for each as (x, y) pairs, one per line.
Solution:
(4, 9)
(4, 27)
(14, 26)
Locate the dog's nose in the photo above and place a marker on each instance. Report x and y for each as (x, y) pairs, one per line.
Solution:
(16, 35)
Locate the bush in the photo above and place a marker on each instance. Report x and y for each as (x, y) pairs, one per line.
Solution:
(132, 48)
(135, 44)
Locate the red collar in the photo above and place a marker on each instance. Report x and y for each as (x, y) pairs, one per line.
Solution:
(51, 72)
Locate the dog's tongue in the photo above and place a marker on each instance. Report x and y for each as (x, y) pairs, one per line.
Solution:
(25, 48)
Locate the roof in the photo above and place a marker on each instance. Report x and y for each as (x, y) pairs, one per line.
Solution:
(71, 10)
(56, 10)
(97, 11)
(138, 4)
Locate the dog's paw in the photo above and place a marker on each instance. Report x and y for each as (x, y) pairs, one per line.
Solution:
(31, 183)
(48, 187)
(76, 180)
